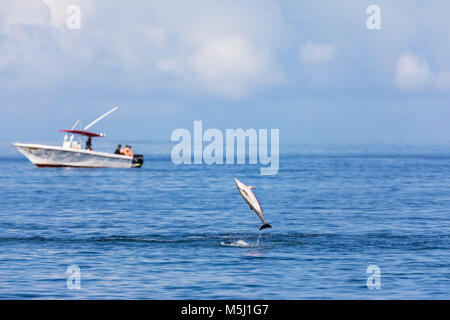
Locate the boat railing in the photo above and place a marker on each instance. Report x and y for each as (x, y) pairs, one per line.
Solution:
(71, 143)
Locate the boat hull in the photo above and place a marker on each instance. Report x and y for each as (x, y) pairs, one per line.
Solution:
(53, 156)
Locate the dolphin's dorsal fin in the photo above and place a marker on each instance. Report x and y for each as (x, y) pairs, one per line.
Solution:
(252, 187)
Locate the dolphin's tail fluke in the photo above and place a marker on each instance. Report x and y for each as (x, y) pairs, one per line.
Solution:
(265, 225)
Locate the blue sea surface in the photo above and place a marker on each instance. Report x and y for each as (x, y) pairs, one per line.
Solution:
(168, 231)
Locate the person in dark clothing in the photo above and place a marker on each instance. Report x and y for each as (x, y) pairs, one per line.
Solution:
(89, 144)
(119, 146)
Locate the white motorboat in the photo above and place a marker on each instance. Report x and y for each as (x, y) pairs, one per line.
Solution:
(71, 153)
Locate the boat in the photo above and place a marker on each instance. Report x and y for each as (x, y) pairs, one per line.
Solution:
(71, 153)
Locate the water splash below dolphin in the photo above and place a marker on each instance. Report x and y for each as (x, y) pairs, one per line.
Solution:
(242, 244)
(257, 240)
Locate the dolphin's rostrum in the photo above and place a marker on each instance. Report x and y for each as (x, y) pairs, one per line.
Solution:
(249, 197)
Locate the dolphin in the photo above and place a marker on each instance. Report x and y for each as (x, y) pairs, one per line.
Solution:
(249, 197)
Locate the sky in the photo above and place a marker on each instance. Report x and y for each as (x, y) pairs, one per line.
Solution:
(311, 69)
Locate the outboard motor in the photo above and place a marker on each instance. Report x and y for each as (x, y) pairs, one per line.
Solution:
(138, 160)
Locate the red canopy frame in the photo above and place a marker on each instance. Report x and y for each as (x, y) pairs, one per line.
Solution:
(83, 133)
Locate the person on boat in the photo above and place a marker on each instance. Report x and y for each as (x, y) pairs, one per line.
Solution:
(119, 146)
(127, 151)
(89, 144)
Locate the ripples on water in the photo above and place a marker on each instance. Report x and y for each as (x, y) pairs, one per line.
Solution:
(176, 232)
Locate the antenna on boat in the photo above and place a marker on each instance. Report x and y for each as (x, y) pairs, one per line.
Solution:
(75, 124)
(100, 118)
(73, 127)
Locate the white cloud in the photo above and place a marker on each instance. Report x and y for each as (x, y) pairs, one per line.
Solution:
(314, 54)
(226, 48)
(229, 65)
(25, 12)
(412, 73)
(229, 48)
(221, 48)
(226, 66)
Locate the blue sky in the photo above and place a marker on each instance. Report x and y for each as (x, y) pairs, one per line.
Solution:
(309, 68)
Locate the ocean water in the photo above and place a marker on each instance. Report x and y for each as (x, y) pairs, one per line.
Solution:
(184, 232)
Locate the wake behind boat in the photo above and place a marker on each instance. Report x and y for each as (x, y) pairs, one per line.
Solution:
(71, 154)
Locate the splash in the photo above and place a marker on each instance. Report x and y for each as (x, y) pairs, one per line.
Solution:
(242, 243)
(257, 240)
(238, 243)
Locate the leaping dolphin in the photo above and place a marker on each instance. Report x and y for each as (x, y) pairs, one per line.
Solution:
(249, 197)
